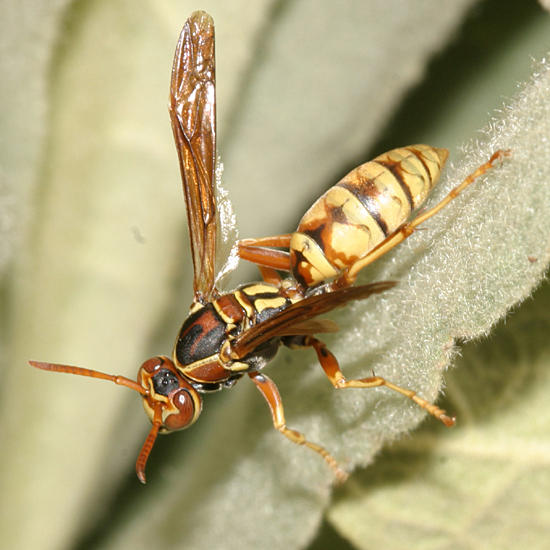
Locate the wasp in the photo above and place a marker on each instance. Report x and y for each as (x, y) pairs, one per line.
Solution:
(229, 335)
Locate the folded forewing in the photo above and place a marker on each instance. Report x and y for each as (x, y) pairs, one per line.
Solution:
(288, 321)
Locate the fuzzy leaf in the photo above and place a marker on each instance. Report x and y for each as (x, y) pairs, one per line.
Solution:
(486, 482)
(305, 89)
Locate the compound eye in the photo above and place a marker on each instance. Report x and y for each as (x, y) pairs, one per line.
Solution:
(165, 382)
(185, 412)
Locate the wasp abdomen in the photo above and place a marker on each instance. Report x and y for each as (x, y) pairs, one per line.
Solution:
(361, 210)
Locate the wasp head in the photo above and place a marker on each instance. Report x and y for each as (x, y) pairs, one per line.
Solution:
(168, 398)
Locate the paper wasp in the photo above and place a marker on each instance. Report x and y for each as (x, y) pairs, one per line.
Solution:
(229, 335)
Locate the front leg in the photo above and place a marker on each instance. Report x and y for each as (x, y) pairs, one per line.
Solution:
(260, 251)
(271, 394)
(338, 380)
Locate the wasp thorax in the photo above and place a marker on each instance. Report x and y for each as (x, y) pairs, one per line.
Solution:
(168, 390)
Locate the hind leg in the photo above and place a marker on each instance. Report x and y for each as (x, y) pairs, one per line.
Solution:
(330, 365)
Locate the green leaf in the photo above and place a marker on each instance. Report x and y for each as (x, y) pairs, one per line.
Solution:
(486, 481)
(102, 276)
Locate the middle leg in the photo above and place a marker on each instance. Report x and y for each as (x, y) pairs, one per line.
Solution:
(271, 394)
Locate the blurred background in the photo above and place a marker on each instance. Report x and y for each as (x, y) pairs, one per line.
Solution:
(96, 272)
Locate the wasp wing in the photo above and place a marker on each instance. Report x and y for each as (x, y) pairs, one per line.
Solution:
(193, 115)
(288, 321)
(313, 326)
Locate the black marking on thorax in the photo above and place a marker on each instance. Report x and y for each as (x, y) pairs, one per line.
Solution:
(201, 336)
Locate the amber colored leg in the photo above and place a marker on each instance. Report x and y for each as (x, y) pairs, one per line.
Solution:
(336, 377)
(253, 251)
(269, 275)
(408, 228)
(271, 394)
(280, 241)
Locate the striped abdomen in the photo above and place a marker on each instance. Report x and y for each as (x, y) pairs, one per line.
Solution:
(361, 210)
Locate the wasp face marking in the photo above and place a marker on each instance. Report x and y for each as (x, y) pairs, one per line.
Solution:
(170, 393)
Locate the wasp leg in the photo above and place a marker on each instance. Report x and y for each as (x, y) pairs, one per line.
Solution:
(270, 275)
(336, 377)
(281, 241)
(406, 230)
(253, 250)
(271, 394)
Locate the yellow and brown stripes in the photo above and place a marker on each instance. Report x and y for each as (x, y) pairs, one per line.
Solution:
(261, 301)
(249, 303)
(416, 170)
(361, 210)
(252, 302)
